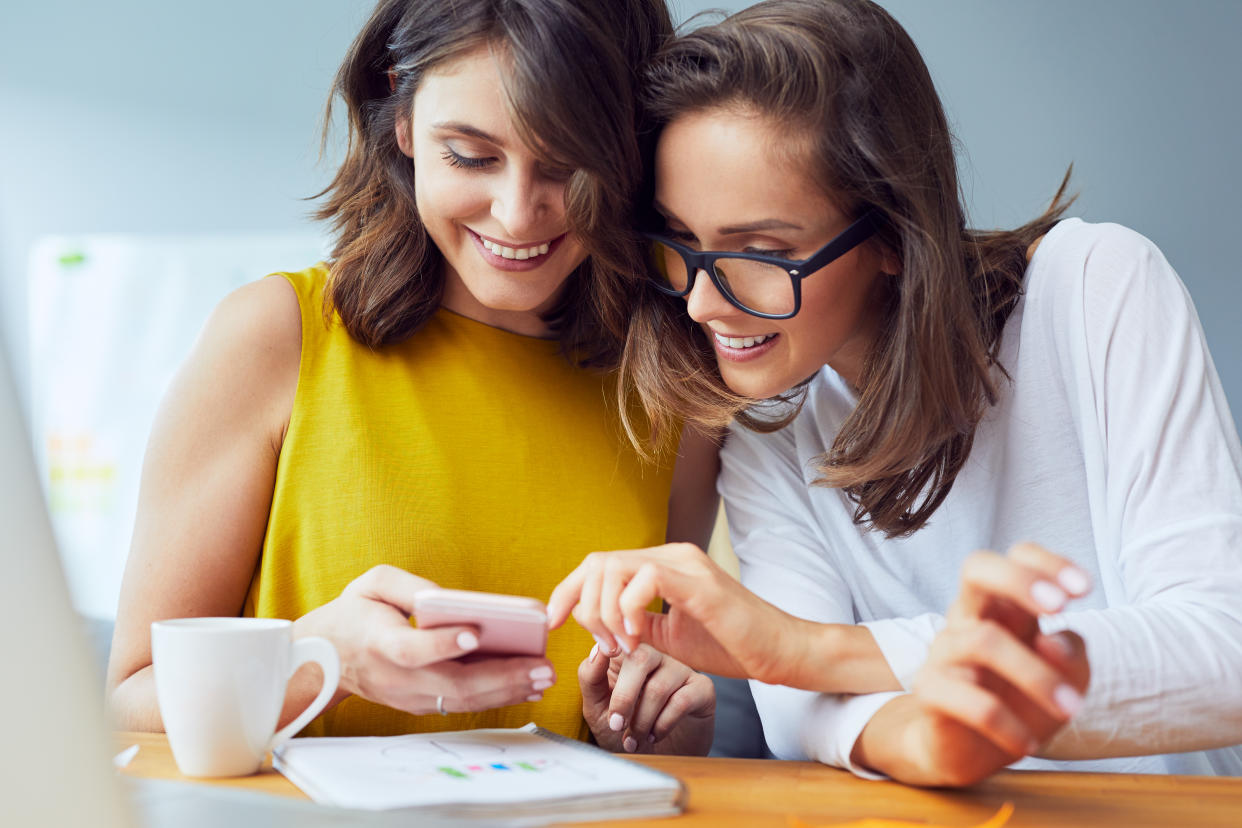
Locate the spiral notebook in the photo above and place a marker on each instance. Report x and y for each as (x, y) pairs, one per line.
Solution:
(519, 774)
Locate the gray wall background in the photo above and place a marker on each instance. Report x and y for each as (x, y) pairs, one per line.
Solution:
(176, 117)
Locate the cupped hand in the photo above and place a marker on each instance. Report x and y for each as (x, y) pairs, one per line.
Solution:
(647, 702)
(385, 660)
(993, 688)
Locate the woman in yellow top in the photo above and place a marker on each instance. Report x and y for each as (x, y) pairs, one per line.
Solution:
(437, 405)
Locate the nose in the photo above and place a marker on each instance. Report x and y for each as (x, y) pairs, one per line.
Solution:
(525, 204)
(704, 302)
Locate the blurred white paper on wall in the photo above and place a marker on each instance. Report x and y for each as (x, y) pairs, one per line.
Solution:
(112, 317)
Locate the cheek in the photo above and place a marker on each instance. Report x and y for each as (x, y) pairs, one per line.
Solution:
(442, 194)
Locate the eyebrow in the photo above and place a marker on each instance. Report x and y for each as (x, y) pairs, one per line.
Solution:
(466, 129)
(736, 229)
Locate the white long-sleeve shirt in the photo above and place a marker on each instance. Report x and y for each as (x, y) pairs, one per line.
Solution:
(1113, 446)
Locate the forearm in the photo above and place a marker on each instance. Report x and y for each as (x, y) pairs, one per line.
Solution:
(840, 658)
(133, 705)
(1165, 678)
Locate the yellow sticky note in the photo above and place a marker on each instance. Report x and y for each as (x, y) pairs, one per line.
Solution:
(996, 821)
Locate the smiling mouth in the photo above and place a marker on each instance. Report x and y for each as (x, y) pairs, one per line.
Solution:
(742, 342)
(520, 254)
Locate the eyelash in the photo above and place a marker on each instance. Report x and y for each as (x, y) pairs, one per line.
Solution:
(455, 159)
(778, 254)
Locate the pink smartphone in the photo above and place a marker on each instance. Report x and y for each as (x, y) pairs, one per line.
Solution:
(507, 624)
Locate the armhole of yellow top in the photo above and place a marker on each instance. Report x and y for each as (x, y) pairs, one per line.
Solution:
(309, 312)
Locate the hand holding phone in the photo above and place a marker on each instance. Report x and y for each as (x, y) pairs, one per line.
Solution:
(507, 624)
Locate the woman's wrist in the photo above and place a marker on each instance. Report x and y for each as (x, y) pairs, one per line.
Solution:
(306, 682)
(879, 745)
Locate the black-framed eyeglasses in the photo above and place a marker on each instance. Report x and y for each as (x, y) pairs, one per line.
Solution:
(761, 285)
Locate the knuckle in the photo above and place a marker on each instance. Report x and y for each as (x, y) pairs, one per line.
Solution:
(990, 713)
(660, 687)
(644, 657)
(647, 570)
(984, 636)
(687, 550)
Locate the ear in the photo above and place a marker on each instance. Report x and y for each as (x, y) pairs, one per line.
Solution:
(889, 263)
(405, 138)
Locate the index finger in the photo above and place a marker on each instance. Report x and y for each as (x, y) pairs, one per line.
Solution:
(1036, 586)
(391, 585)
(565, 597)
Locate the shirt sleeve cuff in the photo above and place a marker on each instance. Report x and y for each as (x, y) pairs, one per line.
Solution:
(904, 642)
(834, 725)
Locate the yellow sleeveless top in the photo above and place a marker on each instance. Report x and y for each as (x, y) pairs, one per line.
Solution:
(468, 455)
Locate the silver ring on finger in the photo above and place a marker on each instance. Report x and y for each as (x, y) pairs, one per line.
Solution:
(440, 706)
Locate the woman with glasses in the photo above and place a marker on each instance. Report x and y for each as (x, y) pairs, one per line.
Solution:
(434, 405)
(906, 394)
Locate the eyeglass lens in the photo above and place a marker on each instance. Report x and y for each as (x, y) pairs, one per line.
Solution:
(760, 287)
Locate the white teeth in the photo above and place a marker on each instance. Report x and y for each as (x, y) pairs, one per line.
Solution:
(520, 253)
(742, 341)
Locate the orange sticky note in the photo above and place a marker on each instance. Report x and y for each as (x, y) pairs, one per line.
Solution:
(996, 821)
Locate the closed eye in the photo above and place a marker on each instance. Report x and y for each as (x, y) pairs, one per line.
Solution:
(456, 159)
(778, 254)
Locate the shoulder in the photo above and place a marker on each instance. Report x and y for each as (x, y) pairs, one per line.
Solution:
(261, 321)
(1096, 276)
(1081, 256)
(247, 356)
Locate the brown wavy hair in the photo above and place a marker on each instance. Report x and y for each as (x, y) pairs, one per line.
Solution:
(846, 80)
(572, 93)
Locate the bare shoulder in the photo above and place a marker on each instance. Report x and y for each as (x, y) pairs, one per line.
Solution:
(261, 319)
(248, 353)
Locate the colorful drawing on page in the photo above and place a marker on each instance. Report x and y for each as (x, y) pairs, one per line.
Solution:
(471, 759)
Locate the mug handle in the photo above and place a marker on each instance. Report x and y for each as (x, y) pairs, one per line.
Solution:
(320, 651)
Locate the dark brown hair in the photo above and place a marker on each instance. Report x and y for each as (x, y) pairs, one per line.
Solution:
(845, 78)
(572, 93)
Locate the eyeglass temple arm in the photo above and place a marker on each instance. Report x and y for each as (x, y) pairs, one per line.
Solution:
(863, 228)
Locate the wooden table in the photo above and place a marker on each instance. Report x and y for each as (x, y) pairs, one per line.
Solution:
(754, 792)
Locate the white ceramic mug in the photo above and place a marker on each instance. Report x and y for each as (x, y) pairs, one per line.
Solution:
(220, 684)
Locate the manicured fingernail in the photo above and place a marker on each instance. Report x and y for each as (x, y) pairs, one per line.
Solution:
(630, 744)
(541, 672)
(1068, 699)
(594, 653)
(624, 647)
(629, 628)
(616, 721)
(541, 685)
(651, 737)
(604, 647)
(1048, 595)
(534, 697)
(1074, 580)
(467, 640)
